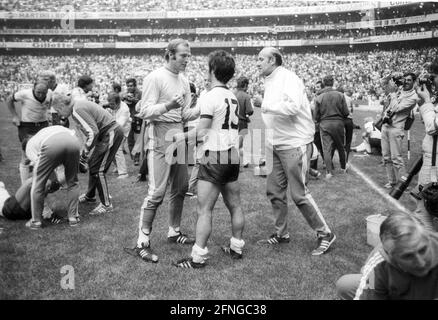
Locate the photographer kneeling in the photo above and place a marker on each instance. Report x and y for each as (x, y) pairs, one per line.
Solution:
(400, 106)
(426, 211)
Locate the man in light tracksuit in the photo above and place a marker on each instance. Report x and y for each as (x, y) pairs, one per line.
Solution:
(166, 106)
(49, 148)
(286, 114)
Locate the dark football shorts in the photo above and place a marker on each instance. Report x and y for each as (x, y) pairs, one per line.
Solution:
(29, 129)
(220, 167)
(13, 211)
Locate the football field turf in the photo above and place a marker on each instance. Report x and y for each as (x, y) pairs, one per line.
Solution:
(31, 261)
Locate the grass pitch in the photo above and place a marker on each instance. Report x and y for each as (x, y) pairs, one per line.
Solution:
(31, 261)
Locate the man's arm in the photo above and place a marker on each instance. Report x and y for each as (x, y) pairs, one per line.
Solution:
(149, 108)
(344, 107)
(124, 116)
(429, 117)
(249, 109)
(286, 106)
(317, 110)
(87, 125)
(191, 111)
(11, 107)
(406, 104)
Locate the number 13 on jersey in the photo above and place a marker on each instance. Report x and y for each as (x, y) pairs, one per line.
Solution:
(232, 109)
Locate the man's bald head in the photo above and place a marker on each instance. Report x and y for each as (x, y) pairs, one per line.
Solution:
(275, 53)
(40, 89)
(268, 60)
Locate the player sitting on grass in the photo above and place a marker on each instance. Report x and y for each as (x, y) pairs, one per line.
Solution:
(219, 169)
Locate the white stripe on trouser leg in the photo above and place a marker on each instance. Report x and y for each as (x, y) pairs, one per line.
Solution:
(306, 191)
(32, 189)
(102, 168)
(151, 184)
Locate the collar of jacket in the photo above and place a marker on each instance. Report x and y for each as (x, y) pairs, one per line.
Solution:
(327, 89)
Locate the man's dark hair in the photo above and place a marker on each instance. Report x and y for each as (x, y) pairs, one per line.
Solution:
(222, 64)
(320, 83)
(413, 75)
(117, 87)
(171, 47)
(132, 80)
(242, 83)
(278, 58)
(84, 81)
(328, 81)
(192, 87)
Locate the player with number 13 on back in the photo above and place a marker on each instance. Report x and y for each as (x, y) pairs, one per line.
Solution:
(219, 168)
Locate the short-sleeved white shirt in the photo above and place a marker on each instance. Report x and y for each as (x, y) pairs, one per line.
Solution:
(31, 109)
(220, 105)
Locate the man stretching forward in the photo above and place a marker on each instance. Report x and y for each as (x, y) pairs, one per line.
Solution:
(286, 111)
(219, 169)
(165, 105)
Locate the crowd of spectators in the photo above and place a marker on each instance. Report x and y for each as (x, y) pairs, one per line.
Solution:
(153, 5)
(358, 72)
(165, 37)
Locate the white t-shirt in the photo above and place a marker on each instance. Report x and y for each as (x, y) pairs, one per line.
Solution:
(31, 109)
(220, 105)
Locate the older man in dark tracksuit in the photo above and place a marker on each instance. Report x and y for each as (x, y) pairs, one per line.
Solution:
(330, 112)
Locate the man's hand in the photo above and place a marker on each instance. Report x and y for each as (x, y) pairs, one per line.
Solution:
(16, 121)
(176, 102)
(83, 161)
(424, 94)
(179, 137)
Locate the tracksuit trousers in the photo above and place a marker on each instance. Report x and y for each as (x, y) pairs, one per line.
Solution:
(61, 149)
(290, 167)
(163, 172)
(332, 136)
(101, 158)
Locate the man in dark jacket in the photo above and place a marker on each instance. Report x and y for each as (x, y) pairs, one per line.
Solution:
(330, 112)
(245, 111)
(131, 98)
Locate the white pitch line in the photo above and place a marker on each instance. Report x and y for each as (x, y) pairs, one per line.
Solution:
(383, 193)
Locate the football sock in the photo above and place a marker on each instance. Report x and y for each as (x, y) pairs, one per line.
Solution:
(143, 238)
(237, 245)
(173, 232)
(199, 255)
(4, 195)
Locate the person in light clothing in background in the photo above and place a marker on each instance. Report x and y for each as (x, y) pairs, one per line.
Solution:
(286, 112)
(120, 111)
(29, 109)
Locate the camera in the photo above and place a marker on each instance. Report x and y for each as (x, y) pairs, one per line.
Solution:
(426, 79)
(388, 117)
(403, 183)
(398, 79)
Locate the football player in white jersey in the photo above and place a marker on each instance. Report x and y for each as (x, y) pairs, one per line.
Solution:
(219, 168)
